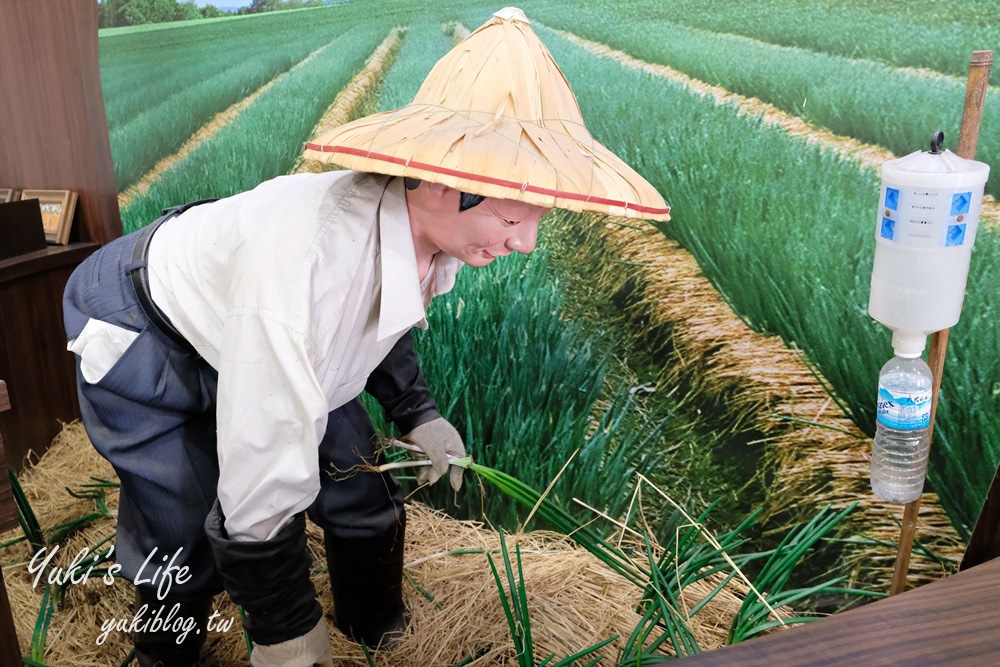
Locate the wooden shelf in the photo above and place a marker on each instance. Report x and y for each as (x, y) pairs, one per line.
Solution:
(52, 257)
(39, 371)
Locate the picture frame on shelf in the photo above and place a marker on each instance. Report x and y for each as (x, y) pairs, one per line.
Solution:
(58, 207)
(8, 194)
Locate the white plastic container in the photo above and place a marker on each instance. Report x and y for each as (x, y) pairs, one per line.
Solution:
(924, 232)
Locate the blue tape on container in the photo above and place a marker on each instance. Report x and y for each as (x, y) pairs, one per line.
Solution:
(960, 202)
(888, 228)
(891, 198)
(956, 235)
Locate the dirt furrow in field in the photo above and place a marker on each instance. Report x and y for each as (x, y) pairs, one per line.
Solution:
(206, 132)
(819, 455)
(349, 101)
(868, 156)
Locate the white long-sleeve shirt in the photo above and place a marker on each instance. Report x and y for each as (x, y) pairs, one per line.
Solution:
(294, 292)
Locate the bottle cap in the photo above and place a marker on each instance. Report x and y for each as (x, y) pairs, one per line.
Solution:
(908, 344)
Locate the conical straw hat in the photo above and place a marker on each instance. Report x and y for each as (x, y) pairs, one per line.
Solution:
(496, 117)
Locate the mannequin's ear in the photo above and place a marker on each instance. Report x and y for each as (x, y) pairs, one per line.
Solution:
(435, 196)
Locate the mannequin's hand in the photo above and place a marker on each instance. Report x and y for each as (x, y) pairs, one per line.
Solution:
(439, 441)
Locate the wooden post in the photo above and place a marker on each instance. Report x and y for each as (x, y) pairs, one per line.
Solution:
(968, 136)
(10, 652)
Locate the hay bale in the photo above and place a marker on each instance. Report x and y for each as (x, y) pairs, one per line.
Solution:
(574, 600)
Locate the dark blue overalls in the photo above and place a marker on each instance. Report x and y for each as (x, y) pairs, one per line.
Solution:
(153, 417)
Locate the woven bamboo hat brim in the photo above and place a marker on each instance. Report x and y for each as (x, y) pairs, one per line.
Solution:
(496, 117)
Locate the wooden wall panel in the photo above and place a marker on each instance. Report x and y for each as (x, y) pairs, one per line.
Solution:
(55, 133)
(55, 137)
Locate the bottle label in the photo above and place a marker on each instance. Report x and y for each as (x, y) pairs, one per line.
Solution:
(906, 411)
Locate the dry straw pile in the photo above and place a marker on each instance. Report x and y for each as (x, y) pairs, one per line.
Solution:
(574, 600)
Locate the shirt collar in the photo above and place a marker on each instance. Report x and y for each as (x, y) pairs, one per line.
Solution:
(401, 305)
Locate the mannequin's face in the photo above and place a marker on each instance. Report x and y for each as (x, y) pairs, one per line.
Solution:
(494, 228)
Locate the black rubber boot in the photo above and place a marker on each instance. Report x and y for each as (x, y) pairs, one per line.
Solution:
(366, 575)
(158, 646)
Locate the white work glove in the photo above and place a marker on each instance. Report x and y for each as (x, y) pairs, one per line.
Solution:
(439, 441)
(310, 650)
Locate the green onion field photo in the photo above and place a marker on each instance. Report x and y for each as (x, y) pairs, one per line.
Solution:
(688, 405)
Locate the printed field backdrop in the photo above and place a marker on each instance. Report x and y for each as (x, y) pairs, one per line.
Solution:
(726, 354)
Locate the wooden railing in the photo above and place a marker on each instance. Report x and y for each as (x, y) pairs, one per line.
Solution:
(950, 622)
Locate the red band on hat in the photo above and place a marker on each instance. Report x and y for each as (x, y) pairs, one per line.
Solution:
(485, 179)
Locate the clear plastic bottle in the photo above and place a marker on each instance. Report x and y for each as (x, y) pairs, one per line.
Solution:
(902, 433)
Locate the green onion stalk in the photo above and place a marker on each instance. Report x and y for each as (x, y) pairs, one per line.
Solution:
(558, 517)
